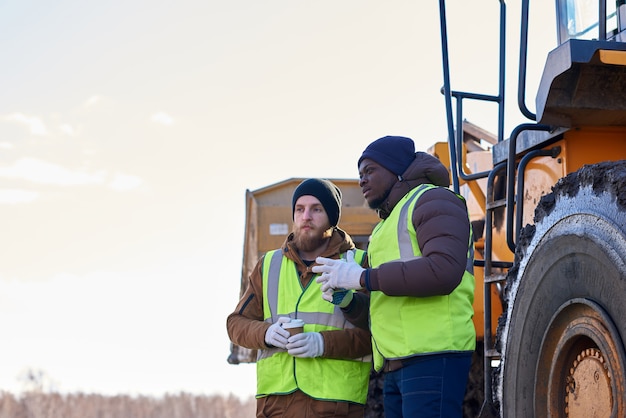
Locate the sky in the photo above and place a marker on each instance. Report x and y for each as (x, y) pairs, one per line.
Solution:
(131, 130)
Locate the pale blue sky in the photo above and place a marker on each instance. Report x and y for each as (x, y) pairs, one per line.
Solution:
(130, 131)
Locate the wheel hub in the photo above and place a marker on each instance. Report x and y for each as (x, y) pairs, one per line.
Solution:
(588, 386)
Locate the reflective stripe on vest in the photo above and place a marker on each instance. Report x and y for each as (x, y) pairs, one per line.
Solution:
(404, 326)
(320, 378)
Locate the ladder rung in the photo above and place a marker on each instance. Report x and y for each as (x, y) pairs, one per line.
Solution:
(496, 204)
(494, 278)
(492, 353)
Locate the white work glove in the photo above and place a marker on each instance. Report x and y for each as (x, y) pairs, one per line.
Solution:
(306, 344)
(338, 274)
(341, 297)
(276, 335)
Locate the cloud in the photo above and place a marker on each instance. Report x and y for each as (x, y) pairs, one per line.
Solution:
(162, 118)
(34, 124)
(67, 129)
(92, 101)
(15, 196)
(43, 172)
(123, 182)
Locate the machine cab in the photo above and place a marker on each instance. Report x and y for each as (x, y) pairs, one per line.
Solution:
(583, 79)
(591, 20)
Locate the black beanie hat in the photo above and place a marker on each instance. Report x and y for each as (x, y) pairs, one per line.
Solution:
(326, 192)
(395, 153)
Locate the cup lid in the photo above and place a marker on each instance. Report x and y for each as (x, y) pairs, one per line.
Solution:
(294, 323)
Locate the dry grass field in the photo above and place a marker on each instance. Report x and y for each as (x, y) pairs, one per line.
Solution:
(54, 405)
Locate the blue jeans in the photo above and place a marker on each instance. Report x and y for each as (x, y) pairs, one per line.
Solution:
(431, 386)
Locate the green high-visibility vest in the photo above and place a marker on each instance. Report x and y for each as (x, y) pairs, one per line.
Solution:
(321, 378)
(405, 326)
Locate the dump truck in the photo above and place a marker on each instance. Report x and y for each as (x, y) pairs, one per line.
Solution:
(551, 255)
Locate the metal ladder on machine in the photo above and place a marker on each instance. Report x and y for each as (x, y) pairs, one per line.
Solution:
(455, 141)
(513, 220)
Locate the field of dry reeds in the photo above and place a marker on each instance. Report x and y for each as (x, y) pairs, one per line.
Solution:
(183, 405)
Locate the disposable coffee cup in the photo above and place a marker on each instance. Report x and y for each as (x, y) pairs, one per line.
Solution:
(295, 326)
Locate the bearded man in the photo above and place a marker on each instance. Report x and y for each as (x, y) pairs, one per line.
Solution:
(323, 371)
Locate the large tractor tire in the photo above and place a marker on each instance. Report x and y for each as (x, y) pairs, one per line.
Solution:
(563, 335)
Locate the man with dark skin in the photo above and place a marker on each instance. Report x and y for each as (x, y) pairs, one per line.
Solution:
(420, 281)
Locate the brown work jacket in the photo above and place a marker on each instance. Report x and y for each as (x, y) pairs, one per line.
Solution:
(442, 227)
(246, 327)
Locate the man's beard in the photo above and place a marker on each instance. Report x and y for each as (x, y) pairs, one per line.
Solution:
(312, 239)
(378, 202)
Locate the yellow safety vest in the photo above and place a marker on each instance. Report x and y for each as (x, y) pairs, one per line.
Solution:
(321, 378)
(405, 326)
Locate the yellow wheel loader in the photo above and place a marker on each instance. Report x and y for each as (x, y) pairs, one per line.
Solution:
(552, 217)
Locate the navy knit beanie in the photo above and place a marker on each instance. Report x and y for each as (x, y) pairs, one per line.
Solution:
(326, 192)
(395, 153)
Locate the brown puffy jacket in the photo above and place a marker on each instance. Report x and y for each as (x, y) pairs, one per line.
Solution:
(443, 231)
(246, 327)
